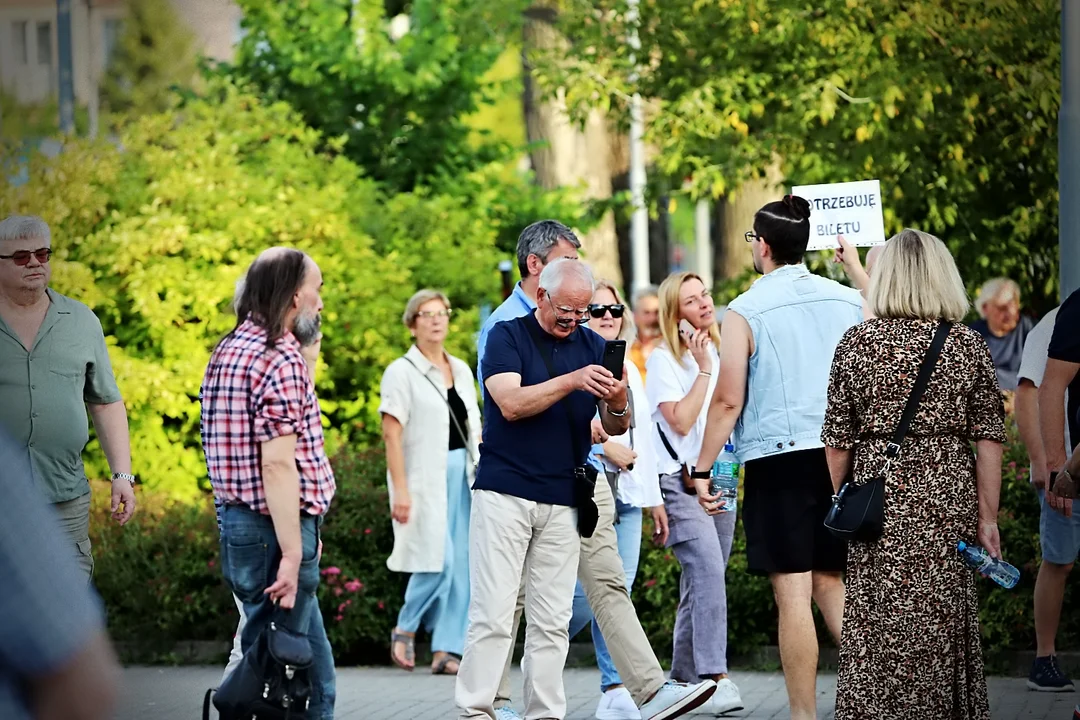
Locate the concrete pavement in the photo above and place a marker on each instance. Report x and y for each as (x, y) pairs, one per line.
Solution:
(175, 693)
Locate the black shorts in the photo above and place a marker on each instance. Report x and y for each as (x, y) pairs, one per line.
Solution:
(785, 500)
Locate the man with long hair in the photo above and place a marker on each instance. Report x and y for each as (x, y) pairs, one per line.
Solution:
(263, 439)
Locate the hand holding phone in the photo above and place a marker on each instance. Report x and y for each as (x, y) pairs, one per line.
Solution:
(686, 329)
(615, 357)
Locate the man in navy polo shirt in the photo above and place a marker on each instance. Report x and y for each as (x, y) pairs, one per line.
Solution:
(537, 436)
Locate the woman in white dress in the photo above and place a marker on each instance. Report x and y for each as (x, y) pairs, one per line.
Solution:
(429, 402)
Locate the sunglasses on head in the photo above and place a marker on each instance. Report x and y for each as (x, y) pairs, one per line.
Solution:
(22, 257)
(598, 311)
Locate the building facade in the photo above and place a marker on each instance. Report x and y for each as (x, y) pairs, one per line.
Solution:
(29, 50)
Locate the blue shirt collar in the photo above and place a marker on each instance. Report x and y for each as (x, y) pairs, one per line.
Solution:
(524, 299)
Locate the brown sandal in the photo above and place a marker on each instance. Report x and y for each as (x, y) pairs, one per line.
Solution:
(440, 668)
(409, 641)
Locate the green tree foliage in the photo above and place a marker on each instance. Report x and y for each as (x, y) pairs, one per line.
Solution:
(397, 89)
(952, 105)
(155, 52)
(153, 237)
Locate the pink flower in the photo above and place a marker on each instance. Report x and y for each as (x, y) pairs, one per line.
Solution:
(367, 531)
(341, 607)
(337, 592)
(354, 586)
(650, 583)
(210, 564)
(338, 618)
(380, 605)
(331, 571)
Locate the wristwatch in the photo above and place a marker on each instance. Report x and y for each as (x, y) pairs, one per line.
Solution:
(124, 476)
(699, 474)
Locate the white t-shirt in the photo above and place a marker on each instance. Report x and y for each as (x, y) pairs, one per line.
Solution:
(639, 487)
(1033, 359)
(666, 380)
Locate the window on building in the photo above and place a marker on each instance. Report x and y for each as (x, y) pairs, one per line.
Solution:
(112, 29)
(44, 43)
(19, 41)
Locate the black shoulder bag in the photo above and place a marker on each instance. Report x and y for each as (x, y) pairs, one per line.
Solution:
(272, 681)
(858, 511)
(584, 475)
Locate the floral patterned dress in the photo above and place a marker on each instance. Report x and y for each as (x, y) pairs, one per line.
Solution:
(910, 646)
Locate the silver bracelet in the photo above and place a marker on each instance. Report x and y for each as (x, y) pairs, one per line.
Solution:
(706, 374)
(621, 413)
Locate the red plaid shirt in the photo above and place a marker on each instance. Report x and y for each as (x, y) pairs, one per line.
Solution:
(250, 395)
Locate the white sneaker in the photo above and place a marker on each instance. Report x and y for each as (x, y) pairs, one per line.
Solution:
(674, 699)
(726, 698)
(617, 704)
(506, 713)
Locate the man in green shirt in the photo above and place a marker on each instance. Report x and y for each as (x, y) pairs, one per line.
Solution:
(53, 366)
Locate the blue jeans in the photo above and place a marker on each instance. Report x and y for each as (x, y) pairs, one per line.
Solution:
(249, 560)
(628, 532)
(440, 601)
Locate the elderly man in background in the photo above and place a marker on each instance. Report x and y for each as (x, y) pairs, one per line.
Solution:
(54, 364)
(647, 321)
(1003, 328)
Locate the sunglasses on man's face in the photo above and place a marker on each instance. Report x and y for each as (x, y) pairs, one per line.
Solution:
(598, 311)
(22, 257)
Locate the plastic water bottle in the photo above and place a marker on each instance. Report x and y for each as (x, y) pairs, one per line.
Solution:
(979, 559)
(725, 478)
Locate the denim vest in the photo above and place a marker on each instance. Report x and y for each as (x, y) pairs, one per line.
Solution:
(796, 318)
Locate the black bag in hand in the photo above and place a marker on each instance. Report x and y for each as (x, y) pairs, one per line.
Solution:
(272, 681)
(858, 511)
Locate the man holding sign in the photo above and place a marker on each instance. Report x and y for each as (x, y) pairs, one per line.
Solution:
(789, 322)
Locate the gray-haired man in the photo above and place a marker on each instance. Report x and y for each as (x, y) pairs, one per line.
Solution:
(600, 568)
(53, 366)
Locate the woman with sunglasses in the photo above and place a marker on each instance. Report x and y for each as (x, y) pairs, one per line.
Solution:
(429, 402)
(681, 378)
(630, 468)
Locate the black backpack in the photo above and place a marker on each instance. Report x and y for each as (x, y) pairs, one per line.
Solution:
(272, 681)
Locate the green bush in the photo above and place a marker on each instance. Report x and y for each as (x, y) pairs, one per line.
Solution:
(161, 583)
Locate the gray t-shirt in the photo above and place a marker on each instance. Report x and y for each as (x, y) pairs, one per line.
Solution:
(1006, 351)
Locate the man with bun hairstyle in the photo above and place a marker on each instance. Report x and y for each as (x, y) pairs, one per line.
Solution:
(776, 348)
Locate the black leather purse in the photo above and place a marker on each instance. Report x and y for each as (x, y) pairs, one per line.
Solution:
(858, 511)
(272, 681)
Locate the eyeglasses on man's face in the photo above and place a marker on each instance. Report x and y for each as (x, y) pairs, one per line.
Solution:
(751, 236)
(22, 257)
(568, 317)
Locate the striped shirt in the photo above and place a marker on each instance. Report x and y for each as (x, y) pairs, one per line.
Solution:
(250, 395)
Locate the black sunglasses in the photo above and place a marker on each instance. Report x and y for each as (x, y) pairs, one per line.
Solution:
(22, 257)
(598, 311)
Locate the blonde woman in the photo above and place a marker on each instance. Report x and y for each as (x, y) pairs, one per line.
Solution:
(910, 639)
(431, 427)
(680, 380)
(629, 465)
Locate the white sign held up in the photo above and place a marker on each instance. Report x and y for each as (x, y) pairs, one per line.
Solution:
(851, 209)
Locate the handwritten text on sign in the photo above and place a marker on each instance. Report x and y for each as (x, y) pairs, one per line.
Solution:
(851, 209)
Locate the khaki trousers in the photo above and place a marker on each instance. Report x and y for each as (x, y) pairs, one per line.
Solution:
(600, 570)
(74, 519)
(511, 538)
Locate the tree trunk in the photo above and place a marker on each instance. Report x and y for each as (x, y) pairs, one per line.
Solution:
(735, 215)
(567, 155)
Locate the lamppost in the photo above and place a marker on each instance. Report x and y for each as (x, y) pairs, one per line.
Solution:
(639, 221)
(1069, 149)
(67, 89)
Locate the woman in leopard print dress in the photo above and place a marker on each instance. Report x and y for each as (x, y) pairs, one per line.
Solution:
(910, 642)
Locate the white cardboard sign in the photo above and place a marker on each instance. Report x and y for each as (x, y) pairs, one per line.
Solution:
(851, 209)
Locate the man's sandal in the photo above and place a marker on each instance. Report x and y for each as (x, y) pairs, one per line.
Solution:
(440, 668)
(409, 641)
